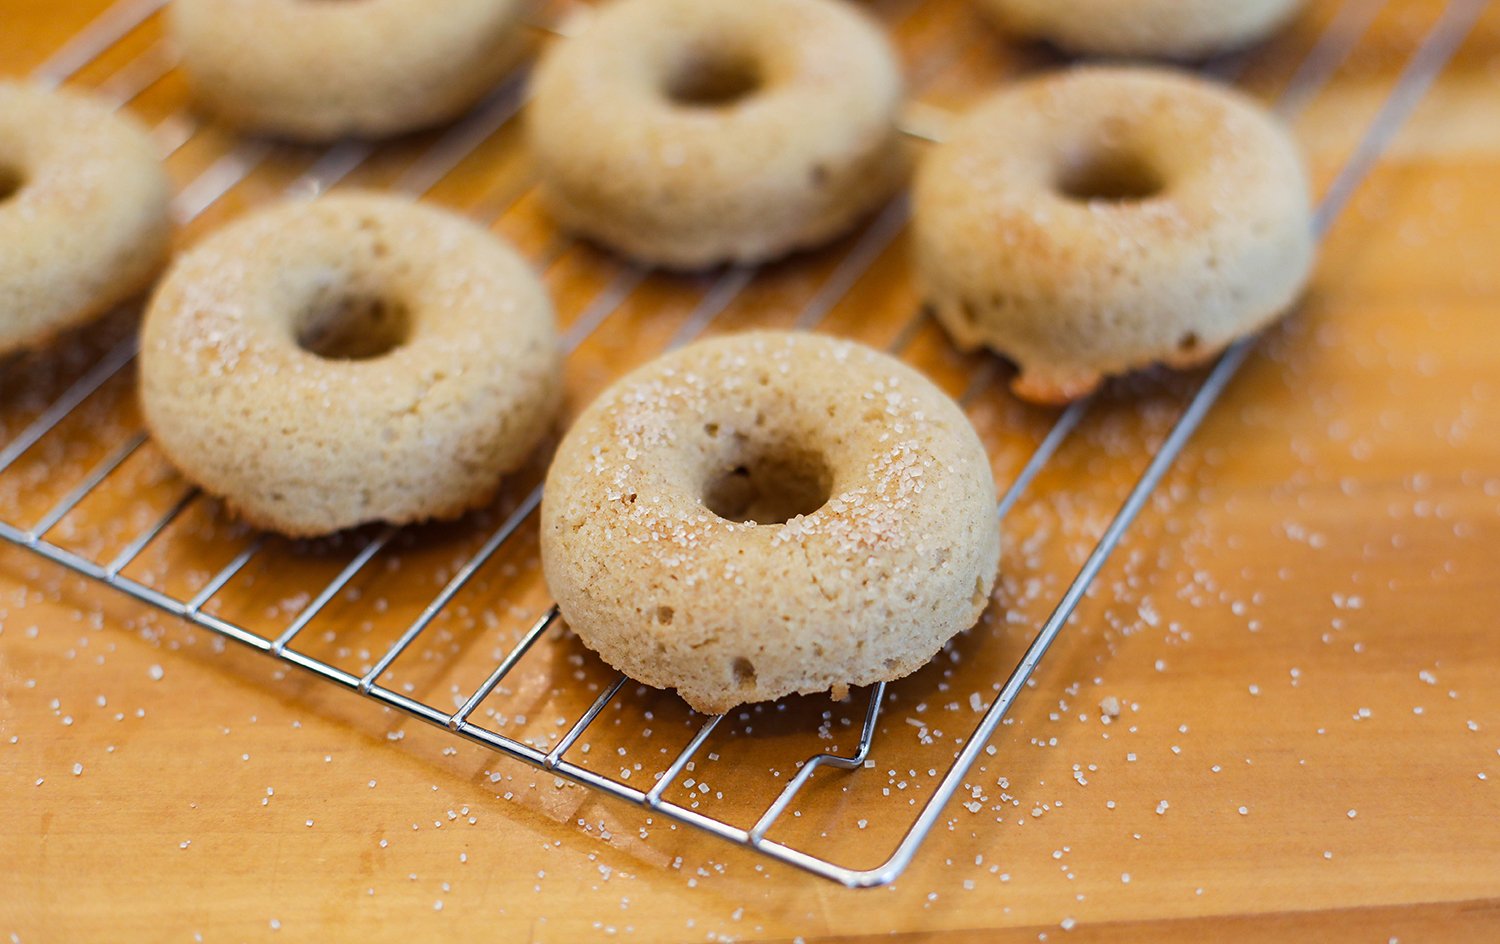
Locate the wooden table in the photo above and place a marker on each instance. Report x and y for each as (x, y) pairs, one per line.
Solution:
(1303, 627)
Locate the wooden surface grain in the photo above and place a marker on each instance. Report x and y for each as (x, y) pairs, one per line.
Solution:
(1302, 627)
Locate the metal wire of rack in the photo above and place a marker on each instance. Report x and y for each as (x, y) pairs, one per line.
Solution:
(1342, 34)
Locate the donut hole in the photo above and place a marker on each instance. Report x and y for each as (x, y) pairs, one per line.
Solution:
(11, 182)
(713, 79)
(353, 326)
(769, 485)
(1109, 176)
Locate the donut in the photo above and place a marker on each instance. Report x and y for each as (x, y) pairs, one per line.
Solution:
(358, 358)
(1099, 220)
(315, 70)
(1169, 29)
(84, 220)
(686, 133)
(769, 513)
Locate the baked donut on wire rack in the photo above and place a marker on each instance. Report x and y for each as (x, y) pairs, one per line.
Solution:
(1168, 29)
(1096, 221)
(687, 133)
(84, 212)
(358, 358)
(769, 513)
(315, 70)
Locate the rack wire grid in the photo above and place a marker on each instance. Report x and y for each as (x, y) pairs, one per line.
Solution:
(153, 550)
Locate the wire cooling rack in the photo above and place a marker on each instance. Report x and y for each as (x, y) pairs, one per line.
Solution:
(150, 64)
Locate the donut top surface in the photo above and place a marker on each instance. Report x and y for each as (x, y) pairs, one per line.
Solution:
(356, 297)
(317, 69)
(56, 149)
(1175, 29)
(1105, 160)
(83, 210)
(704, 92)
(261, 300)
(825, 441)
(65, 152)
(769, 513)
(333, 37)
(337, 31)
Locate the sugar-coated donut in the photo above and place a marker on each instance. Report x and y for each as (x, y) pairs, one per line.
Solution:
(84, 220)
(358, 358)
(692, 132)
(314, 70)
(877, 543)
(1171, 29)
(1099, 220)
